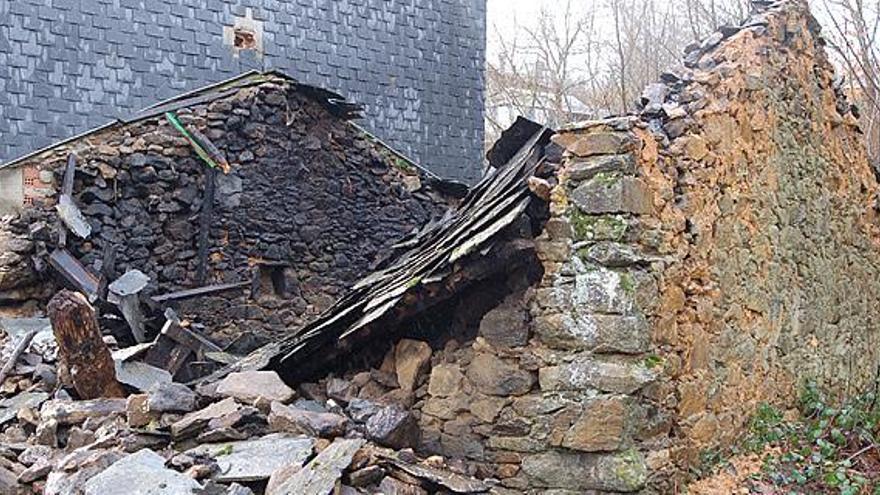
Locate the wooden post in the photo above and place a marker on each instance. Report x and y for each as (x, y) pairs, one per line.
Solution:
(83, 356)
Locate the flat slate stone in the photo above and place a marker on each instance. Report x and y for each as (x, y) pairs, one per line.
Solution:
(248, 386)
(319, 476)
(255, 460)
(132, 282)
(68, 412)
(141, 473)
(140, 375)
(9, 407)
(192, 423)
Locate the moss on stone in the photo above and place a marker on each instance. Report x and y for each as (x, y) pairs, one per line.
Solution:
(631, 469)
(653, 361)
(627, 283)
(596, 227)
(606, 178)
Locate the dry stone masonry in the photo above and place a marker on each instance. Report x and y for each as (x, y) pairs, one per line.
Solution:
(714, 252)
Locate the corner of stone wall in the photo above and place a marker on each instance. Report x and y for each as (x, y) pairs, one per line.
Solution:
(591, 315)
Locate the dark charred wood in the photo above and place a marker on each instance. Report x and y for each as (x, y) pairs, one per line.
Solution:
(83, 356)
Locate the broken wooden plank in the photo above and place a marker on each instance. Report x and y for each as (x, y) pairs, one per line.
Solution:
(75, 273)
(191, 339)
(70, 215)
(175, 345)
(85, 361)
(198, 291)
(72, 218)
(66, 189)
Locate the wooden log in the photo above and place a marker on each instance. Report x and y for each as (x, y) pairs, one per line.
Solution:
(83, 356)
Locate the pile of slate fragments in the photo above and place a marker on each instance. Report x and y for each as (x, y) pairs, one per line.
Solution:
(247, 433)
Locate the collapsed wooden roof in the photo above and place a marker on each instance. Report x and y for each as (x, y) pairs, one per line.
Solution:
(427, 268)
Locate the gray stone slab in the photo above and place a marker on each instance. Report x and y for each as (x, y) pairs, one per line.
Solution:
(255, 460)
(141, 473)
(131, 282)
(140, 375)
(9, 407)
(319, 476)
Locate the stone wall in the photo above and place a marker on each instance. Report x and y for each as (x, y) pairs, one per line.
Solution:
(67, 66)
(730, 258)
(309, 205)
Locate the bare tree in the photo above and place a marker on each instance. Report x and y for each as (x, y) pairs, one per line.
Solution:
(591, 58)
(852, 28)
(541, 68)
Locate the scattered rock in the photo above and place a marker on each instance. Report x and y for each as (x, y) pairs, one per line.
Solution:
(141, 473)
(10, 407)
(194, 422)
(320, 424)
(393, 427)
(249, 386)
(411, 358)
(391, 486)
(255, 460)
(139, 375)
(320, 476)
(75, 412)
(171, 397)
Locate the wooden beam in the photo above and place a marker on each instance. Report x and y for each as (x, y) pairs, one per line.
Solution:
(85, 361)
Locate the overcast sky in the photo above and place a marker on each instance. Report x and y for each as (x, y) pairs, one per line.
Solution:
(503, 14)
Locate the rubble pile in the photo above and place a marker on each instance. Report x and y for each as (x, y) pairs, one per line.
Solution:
(248, 433)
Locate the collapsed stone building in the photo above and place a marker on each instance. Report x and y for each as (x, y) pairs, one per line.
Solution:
(309, 202)
(613, 301)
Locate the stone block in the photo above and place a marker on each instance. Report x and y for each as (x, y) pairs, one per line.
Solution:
(411, 358)
(619, 472)
(506, 325)
(445, 380)
(600, 427)
(606, 193)
(601, 333)
(613, 254)
(618, 374)
(600, 290)
(596, 143)
(492, 376)
(249, 386)
(587, 168)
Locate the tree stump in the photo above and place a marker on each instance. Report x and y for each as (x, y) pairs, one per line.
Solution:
(83, 357)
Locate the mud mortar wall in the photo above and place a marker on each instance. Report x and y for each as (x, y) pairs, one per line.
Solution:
(747, 226)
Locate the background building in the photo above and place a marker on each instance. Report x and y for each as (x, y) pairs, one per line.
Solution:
(67, 66)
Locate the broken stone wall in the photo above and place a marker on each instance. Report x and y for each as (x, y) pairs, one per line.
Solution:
(742, 239)
(310, 203)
